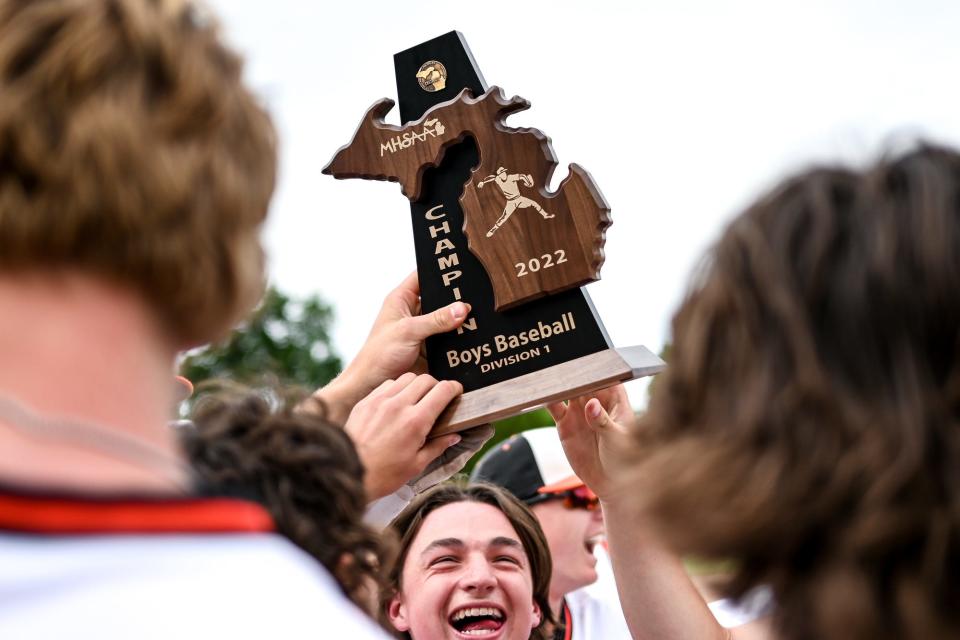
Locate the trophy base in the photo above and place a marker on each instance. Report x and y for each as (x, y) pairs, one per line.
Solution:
(559, 382)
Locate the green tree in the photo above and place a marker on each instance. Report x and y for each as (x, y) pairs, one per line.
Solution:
(285, 342)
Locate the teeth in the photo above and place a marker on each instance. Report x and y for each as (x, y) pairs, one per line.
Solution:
(477, 611)
(593, 541)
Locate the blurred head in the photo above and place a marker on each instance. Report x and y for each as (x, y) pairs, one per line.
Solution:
(305, 471)
(532, 466)
(809, 420)
(472, 560)
(131, 151)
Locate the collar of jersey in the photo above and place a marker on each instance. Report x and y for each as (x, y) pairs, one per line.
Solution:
(566, 631)
(29, 511)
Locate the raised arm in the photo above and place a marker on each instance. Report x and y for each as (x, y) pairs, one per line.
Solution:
(393, 348)
(388, 404)
(658, 598)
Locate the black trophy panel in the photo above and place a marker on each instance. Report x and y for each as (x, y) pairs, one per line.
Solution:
(451, 51)
(495, 346)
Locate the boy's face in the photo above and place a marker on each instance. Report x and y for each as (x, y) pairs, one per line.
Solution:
(572, 531)
(466, 576)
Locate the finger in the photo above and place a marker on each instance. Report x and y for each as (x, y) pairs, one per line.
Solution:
(411, 283)
(614, 395)
(442, 320)
(617, 404)
(418, 388)
(407, 294)
(381, 389)
(598, 419)
(434, 448)
(578, 403)
(438, 398)
(397, 386)
(557, 410)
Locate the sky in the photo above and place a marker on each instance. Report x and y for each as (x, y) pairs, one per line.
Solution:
(683, 111)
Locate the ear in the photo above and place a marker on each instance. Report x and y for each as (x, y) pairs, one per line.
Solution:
(397, 613)
(537, 616)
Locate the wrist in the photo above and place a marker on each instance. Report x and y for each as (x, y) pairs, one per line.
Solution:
(337, 398)
(374, 490)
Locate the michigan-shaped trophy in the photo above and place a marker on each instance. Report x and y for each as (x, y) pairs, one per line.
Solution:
(489, 232)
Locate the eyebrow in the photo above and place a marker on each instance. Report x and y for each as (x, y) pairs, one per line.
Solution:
(503, 541)
(457, 543)
(446, 543)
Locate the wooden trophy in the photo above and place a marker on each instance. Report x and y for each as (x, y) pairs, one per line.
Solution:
(487, 231)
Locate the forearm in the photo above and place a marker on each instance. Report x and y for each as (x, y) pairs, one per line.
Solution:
(337, 398)
(659, 600)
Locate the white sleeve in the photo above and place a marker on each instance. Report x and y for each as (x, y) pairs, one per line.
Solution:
(381, 511)
(756, 603)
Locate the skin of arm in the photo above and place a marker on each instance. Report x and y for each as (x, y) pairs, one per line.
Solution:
(485, 181)
(393, 348)
(384, 400)
(658, 598)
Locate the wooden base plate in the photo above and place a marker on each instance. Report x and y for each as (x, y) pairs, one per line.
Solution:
(559, 382)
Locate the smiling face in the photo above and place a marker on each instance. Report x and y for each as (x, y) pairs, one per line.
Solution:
(571, 535)
(465, 576)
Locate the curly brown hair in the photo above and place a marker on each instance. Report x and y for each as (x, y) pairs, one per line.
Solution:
(131, 150)
(407, 525)
(305, 471)
(808, 423)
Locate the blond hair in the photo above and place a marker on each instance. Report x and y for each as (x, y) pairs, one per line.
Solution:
(131, 150)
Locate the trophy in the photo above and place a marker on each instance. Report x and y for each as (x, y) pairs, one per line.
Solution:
(487, 231)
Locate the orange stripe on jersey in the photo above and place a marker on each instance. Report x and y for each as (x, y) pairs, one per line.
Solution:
(67, 515)
(567, 622)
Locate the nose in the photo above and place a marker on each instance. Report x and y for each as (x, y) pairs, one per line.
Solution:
(478, 576)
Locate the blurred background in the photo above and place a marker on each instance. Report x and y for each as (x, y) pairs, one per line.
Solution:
(683, 111)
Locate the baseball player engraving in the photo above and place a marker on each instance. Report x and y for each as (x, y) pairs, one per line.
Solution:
(511, 191)
(520, 161)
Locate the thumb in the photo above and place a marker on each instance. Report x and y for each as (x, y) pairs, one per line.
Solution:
(598, 418)
(442, 320)
(433, 449)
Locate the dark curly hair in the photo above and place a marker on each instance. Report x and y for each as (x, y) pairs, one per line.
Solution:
(305, 471)
(407, 525)
(808, 423)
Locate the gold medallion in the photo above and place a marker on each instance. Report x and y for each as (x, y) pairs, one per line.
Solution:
(432, 76)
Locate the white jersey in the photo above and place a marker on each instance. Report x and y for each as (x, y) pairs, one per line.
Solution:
(167, 585)
(595, 612)
(755, 604)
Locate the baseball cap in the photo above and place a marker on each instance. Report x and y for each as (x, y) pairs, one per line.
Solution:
(531, 465)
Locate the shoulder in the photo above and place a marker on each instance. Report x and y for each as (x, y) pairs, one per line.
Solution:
(186, 586)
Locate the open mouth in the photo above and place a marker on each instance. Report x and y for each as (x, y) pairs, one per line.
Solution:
(592, 542)
(477, 621)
